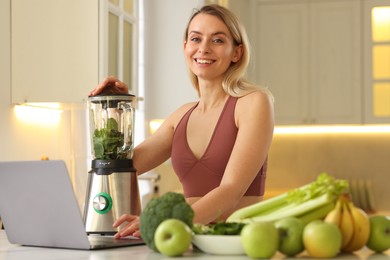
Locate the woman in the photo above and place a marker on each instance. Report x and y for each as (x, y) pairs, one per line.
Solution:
(218, 145)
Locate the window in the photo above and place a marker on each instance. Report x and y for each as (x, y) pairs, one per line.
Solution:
(381, 60)
(121, 42)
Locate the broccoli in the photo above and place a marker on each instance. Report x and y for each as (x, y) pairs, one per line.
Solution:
(169, 205)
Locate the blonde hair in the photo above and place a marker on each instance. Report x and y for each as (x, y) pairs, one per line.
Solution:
(234, 83)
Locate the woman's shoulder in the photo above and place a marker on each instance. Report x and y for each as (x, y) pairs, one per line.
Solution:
(183, 109)
(177, 115)
(257, 104)
(260, 96)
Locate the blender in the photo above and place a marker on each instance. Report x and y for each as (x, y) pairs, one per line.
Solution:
(112, 186)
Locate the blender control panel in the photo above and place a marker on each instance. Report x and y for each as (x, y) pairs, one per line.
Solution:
(102, 203)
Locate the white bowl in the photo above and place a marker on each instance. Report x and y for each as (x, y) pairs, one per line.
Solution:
(219, 244)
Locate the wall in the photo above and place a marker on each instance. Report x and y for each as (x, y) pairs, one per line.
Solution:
(167, 84)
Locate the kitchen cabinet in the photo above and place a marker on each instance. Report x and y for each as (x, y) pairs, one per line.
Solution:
(376, 42)
(61, 49)
(309, 55)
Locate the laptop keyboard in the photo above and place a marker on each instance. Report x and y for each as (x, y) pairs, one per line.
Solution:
(109, 240)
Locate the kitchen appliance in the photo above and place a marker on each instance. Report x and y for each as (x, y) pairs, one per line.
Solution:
(112, 187)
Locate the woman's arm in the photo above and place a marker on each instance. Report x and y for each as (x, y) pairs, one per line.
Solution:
(156, 149)
(255, 121)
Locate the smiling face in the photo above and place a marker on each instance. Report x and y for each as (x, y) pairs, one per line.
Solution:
(209, 48)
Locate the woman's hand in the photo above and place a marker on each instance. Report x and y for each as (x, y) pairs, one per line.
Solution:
(130, 229)
(110, 85)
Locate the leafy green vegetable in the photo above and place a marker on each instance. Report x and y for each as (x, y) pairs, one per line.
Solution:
(220, 228)
(324, 184)
(112, 124)
(107, 142)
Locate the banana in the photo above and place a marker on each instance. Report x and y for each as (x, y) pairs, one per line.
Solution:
(334, 215)
(346, 224)
(361, 224)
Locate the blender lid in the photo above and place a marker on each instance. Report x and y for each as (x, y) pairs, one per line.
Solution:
(111, 100)
(124, 97)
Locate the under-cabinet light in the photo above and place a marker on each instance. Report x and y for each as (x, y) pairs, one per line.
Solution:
(332, 129)
(45, 114)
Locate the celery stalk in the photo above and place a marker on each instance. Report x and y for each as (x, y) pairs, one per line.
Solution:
(258, 208)
(318, 213)
(263, 207)
(300, 201)
(295, 210)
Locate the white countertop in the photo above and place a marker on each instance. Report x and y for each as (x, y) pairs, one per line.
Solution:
(16, 252)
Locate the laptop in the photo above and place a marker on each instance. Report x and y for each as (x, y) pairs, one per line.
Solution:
(38, 208)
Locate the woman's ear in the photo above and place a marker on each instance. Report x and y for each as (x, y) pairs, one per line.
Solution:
(237, 53)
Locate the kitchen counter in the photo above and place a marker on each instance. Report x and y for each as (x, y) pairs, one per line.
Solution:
(16, 252)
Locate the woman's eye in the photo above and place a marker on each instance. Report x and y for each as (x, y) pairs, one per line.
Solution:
(195, 39)
(218, 40)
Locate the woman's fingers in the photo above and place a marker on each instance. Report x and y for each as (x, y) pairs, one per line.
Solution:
(129, 230)
(99, 88)
(110, 85)
(132, 228)
(120, 220)
(137, 233)
(124, 218)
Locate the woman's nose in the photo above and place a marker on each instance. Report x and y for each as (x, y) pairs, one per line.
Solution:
(204, 48)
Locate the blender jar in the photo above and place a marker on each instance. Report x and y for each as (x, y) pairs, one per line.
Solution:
(111, 126)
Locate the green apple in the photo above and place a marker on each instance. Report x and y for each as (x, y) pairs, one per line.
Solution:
(172, 237)
(290, 236)
(260, 239)
(379, 239)
(321, 239)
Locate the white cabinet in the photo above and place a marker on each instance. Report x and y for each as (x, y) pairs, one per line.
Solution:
(376, 15)
(309, 54)
(60, 49)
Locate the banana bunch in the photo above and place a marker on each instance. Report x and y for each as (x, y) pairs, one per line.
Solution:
(353, 223)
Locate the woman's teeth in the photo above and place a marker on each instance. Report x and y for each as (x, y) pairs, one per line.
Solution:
(204, 61)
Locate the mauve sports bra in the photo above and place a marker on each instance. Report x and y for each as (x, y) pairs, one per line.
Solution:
(199, 176)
